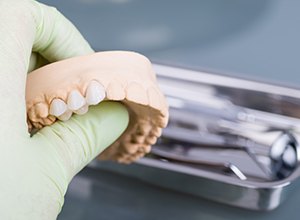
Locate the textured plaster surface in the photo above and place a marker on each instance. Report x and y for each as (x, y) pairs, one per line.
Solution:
(127, 77)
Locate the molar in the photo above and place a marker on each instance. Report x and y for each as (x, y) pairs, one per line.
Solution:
(151, 140)
(137, 139)
(32, 114)
(41, 110)
(143, 129)
(156, 131)
(131, 148)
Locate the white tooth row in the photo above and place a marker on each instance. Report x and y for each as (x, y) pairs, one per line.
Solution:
(76, 103)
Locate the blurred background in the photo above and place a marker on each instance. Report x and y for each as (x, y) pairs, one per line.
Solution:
(252, 39)
(257, 39)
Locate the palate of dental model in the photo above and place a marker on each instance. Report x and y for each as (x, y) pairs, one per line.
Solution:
(74, 84)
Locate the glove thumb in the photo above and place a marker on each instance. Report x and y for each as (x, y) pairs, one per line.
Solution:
(74, 143)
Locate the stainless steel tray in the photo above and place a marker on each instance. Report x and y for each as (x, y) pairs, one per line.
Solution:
(229, 140)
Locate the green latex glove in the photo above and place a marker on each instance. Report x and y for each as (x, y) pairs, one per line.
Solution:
(35, 172)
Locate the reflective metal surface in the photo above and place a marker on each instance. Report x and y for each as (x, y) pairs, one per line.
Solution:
(220, 139)
(97, 194)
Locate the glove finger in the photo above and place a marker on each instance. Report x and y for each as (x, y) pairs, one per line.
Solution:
(76, 142)
(36, 61)
(29, 26)
(56, 37)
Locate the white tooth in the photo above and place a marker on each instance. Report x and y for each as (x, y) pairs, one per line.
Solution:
(95, 93)
(65, 116)
(57, 107)
(75, 100)
(82, 110)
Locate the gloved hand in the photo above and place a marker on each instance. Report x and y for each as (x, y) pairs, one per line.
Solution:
(35, 172)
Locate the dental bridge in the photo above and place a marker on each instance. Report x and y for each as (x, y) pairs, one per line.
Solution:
(229, 140)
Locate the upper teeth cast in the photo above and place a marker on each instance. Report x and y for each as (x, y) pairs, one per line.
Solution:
(76, 103)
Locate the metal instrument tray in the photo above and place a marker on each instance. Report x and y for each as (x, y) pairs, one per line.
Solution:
(230, 140)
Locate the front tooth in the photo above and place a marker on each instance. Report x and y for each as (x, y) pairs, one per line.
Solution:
(57, 107)
(95, 93)
(154, 98)
(115, 91)
(82, 110)
(65, 116)
(75, 100)
(136, 93)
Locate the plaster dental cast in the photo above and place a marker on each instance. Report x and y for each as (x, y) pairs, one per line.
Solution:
(84, 104)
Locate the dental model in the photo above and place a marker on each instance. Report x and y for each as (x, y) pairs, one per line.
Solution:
(58, 90)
